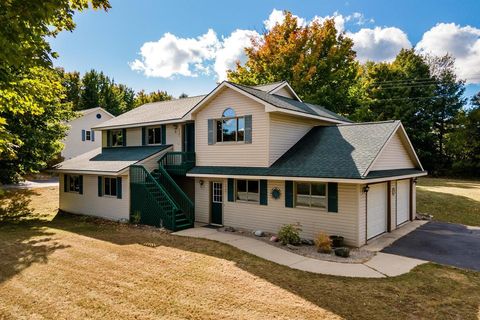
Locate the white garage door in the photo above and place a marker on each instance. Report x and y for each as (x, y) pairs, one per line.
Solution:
(403, 201)
(377, 210)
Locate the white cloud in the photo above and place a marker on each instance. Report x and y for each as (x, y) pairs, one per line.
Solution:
(277, 17)
(232, 50)
(379, 44)
(171, 55)
(463, 43)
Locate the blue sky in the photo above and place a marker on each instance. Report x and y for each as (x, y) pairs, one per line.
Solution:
(185, 46)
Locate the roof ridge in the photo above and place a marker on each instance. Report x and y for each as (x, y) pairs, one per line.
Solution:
(366, 123)
(171, 100)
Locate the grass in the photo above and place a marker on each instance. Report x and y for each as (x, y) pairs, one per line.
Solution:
(65, 266)
(450, 200)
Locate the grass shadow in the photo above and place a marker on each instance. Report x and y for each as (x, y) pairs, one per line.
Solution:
(353, 298)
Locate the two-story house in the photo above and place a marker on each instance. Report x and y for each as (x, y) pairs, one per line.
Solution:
(80, 136)
(251, 157)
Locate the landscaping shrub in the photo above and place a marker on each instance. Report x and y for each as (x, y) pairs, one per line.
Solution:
(323, 243)
(290, 234)
(343, 252)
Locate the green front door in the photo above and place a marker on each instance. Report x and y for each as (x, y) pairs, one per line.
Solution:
(217, 203)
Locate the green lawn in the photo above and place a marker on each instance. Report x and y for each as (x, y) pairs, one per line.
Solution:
(64, 266)
(450, 200)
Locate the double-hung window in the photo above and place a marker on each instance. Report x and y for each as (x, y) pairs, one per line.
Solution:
(154, 135)
(110, 186)
(312, 195)
(116, 138)
(73, 183)
(248, 190)
(87, 135)
(230, 128)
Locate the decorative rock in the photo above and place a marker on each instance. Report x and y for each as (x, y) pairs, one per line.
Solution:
(230, 229)
(308, 242)
(274, 239)
(259, 233)
(291, 247)
(343, 252)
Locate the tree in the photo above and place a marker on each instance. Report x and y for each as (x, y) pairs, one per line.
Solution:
(142, 98)
(315, 59)
(183, 95)
(30, 90)
(72, 85)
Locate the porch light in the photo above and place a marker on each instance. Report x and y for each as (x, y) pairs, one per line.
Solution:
(366, 188)
(201, 182)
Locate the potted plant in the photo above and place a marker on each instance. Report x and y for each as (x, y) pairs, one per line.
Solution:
(337, 241)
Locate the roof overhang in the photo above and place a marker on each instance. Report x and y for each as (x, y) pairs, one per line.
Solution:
(141, 124)
(311, 179)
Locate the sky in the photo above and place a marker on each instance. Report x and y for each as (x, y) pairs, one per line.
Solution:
(186, 46)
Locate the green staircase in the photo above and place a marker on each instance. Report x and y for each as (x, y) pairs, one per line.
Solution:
(157, 200)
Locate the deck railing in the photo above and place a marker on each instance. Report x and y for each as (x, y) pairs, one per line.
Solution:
(177, 163)
(151, 203)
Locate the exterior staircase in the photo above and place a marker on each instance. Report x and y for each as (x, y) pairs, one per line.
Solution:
(157, 200)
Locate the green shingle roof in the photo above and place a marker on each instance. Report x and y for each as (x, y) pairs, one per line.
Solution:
(290, 104)
(341, 151)
(109, 159)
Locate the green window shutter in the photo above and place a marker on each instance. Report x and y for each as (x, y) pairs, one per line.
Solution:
(80, 182)
(248, 129)
(100, 186)
(263, 193)
(231, 190)
(83, 135)
(164, 134)
(65, 181)
(333, 197)
(124, 137)
(119, 187)
(289, 194)
(144, 136)
(210, 131)
(109, 139)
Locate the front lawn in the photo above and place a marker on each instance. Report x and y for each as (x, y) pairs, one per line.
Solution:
(450, 200)
(63, 266)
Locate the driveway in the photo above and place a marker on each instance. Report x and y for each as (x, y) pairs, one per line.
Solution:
(32, 184)
(445, 243)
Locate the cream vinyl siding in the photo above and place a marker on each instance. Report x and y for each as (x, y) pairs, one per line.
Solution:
(89, 203)
(394, 156)
(134, 137)
(152, 163)
(271, 217)
(285, 92)
(362, 215)
(241, 154)
(174, 136)
(393, 205)
(285, 131)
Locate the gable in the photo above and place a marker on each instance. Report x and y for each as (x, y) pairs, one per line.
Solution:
(395, 155)
(285, 92)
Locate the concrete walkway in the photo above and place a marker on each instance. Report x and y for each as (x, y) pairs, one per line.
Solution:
(33, 184)
(380, 266)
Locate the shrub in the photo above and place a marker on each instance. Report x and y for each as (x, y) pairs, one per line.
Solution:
(290, 234)
(323, 243)
(343, 252)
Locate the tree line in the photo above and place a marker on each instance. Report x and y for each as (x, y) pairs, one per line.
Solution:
(420, 90)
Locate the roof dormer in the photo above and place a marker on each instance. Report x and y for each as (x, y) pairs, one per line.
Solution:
(281, 88)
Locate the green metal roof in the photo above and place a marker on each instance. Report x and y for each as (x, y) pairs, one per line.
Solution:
(290, 104)
(343, 151)
(109, 159)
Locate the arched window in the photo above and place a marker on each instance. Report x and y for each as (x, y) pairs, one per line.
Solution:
(230, 128)
(228, 113)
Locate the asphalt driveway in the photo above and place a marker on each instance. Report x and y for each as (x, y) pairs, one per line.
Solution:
(445, 243)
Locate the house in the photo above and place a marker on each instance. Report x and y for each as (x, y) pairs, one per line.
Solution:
(80, 137)
(252, 157)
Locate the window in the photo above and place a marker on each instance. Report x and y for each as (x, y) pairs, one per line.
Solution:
(154, 135)
(99, 116)
(73, 183)
(311, 195)
(87, 135)
(110, 186)
(116, 138)
(248, 190)
(230, 128)
(217, 192)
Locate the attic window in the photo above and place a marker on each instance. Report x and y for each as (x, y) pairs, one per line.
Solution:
(230, 128)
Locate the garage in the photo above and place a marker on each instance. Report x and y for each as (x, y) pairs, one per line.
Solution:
(376, 210)
(403, 201)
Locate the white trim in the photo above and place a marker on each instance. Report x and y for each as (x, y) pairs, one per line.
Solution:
(285, 83)
(312, 179)
(412, 150)
(140, 124)
(88, 111)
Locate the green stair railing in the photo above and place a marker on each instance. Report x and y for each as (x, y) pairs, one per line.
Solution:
(151, 204)
(177, 163)
(182, 201)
